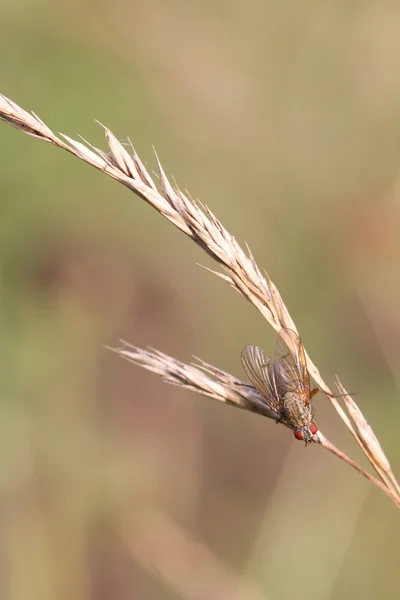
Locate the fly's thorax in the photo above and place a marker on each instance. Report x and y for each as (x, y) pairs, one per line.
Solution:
(294, 410)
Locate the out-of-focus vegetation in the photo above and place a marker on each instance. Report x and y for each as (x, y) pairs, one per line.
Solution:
(285, 120)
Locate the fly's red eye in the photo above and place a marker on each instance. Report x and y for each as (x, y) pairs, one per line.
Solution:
(298, 435)
(313, 429)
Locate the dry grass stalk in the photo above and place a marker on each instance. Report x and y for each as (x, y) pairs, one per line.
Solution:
(240, 271)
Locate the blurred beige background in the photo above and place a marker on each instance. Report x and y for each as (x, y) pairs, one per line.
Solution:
(285, 119)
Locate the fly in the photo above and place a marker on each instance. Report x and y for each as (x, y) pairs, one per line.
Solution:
(284, 383)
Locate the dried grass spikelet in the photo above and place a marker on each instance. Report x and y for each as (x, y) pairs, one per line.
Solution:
(239, 270)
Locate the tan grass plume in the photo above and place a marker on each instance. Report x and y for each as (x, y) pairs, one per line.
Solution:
(239, 269)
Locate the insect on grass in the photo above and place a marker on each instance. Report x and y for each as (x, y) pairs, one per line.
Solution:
(284, 383)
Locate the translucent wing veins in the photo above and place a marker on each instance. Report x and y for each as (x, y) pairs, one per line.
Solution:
(261, 373)
(293, 365)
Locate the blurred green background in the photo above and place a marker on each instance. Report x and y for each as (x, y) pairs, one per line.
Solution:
(285, 119)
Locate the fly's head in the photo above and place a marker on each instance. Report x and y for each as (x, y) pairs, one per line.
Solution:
(307, 433)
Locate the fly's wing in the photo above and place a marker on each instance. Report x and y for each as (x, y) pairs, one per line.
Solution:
(290, 361)
(257, 367)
